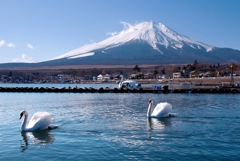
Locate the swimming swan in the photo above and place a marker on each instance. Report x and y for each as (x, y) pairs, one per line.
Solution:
(161, 110)
(39, 121)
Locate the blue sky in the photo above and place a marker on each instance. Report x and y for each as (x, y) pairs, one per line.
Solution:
(38, 30)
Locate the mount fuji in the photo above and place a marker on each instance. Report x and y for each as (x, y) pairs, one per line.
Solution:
(155, 35)
(144, 43)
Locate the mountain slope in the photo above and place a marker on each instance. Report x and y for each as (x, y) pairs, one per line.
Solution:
(156, 35)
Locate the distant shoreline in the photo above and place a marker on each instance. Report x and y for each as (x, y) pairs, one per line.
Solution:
(185, 81)
(193, 81)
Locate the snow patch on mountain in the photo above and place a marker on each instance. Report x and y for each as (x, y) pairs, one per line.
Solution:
(151, 32)
(81, 55)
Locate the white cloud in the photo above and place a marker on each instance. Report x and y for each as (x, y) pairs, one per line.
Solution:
(126, 25)
(2, 42)
(91, 41)
(112, 33)
(11, 45)
(24, 58)
(30, 46)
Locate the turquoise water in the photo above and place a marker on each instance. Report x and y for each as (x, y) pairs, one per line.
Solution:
(114, 126)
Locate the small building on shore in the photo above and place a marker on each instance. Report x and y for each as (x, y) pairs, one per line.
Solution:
(177, 75)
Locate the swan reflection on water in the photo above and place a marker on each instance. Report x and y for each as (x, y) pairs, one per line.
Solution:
(41, 138)
(158, 123)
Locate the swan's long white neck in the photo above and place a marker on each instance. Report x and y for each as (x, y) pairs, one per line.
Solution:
(149, 110)
(24, 123)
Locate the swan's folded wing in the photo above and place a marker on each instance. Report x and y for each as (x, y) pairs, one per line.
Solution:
(40, 120)
(162, 110)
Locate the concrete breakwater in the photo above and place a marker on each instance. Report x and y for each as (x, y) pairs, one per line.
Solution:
(164, 89)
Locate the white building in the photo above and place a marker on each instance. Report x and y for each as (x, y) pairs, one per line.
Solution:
(100, 77)
(177, 75)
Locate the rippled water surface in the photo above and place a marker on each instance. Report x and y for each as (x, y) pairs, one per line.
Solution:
(114, 126)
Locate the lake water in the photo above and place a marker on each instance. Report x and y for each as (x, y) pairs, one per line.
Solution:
(114, 126)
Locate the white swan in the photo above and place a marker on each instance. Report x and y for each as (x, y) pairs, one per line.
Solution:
(163, 109)
(39, 121)
(129, 84)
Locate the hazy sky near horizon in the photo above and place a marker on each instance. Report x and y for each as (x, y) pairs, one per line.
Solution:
(38, 30)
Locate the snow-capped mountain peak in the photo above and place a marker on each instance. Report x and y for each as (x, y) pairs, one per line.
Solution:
(155, 34)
